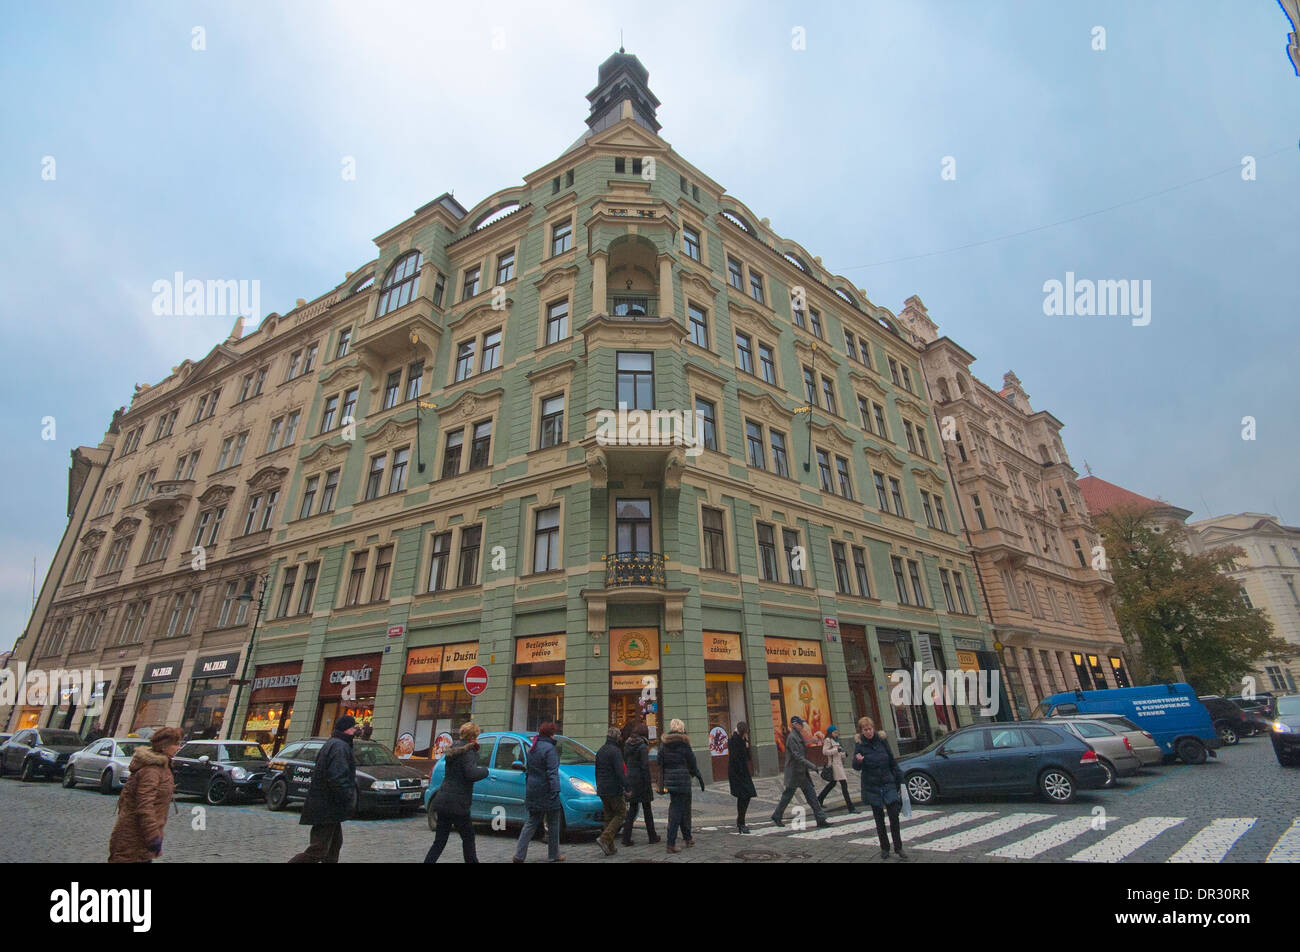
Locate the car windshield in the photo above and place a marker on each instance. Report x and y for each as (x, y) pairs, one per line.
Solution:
(1123, 723)
(1288, 706)
(571, 752)
(61, 739)
(245, 752)
(374, 755)
(127, 748)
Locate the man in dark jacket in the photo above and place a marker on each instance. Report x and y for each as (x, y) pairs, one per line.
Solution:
(332, 796)
(636, 753)
(798, 776)
(612, 788)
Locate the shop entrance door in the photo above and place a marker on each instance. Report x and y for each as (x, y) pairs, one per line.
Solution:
(862, 682)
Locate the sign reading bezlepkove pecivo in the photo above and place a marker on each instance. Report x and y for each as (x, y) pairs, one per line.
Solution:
(624, 427)
(21, 687)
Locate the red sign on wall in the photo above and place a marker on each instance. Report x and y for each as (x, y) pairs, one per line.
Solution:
(476, 680)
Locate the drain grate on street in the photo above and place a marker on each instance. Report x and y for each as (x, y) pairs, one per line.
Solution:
(758, 856)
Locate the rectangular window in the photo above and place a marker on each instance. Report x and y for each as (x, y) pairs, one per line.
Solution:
(392, 389)
(864, 351)
(842, 476)
(828, 396)
(767, 553)
(824, 471)
(734, 275)
(546, 540)
(286, 592)
(480, 450)
(251, 519)
(383, 565)
(766, 363)
(356, 578)
(439, 288)
(962, 605)
(690, 241)
(636, 166)
(896, 494)
(879, 413)
(345, 340)
(557, 321)
(397, 478)
(470, 540)
(552, 428)
(620, 165)
(326, 421)
(308, 365)
(879, 479)
(308, 496)
(815, 321)
(860, 570)
(754, 444)
(308, 592)
(469, 285)
(705, 416)
(947, 590)
(926, 508)
(910, 434)
(809, 387)
(756, 286)
(699, 322)
(921, 445)
(464, 360)
(491, 351)
(331, 488)
(850, 345)
(414, 375)
(568, 179)
(939, 514)
(635, 381)
(451, 458)
(561, 237)
(794, 555)
(1078, 554)
(375, 478)
(979, 511)
(780, 464)
(907, 380)
(632, 527)
(744, 353)
(715, 540)
(1060, 500)
(506, 267)
(864, 411)
(840, 558)
(900, 583)
(441, 547)
(893, 372)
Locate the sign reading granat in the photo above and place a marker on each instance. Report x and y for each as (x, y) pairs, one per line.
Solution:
(789, 651)
(356, 674)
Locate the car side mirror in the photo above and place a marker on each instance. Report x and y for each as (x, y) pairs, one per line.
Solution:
(204, 759)
(518, 765)
(941, 752)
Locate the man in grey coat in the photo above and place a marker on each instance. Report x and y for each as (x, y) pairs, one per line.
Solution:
(798, 776)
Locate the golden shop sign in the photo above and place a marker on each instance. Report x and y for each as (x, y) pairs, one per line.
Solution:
(633, 649)
(459, 657)
(721, 646)
(540, 649)
(790, 651)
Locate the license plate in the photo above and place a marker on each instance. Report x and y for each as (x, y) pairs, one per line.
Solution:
(413, 795)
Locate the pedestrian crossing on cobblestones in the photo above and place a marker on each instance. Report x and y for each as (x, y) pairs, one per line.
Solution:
(1030, 835)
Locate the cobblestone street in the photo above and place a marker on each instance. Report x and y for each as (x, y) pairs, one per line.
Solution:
(1244, 807)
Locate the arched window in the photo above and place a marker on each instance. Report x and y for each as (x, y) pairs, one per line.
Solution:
(944, 395)
(401, 283)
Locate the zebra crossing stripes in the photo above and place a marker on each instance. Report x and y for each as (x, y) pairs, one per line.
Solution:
(789, 825)
(934, 826)
(1287, 849)
(1211, 844)
(1056, 835)
(1127, 840)
(863, 826)
(985, 831)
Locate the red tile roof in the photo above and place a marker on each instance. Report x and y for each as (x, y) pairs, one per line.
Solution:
(1100, 495)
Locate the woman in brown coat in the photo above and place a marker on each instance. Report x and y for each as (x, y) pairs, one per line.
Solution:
(142, 807)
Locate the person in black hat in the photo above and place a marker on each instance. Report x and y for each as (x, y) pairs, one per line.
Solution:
(332, 796)
(798, 776)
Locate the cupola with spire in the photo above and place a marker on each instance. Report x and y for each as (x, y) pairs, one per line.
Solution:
(622, 78)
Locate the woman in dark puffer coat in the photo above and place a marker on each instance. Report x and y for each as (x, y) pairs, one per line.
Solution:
(740, 774)
(881, 779)
(453, 800)
(637, 752)
(676, 768)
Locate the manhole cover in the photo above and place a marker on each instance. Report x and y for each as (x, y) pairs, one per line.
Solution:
(798, 855)
(758, 856)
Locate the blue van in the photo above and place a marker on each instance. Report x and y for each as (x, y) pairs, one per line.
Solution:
(1171, 713)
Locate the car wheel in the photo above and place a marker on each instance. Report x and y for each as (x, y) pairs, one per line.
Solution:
(1107, 766)
(1191, 751)
(69, 779)
(106, 782)
(920, 788)
(218, 791)
(1228, 735)
(1056, 785)
(29, 771)
(277, 796)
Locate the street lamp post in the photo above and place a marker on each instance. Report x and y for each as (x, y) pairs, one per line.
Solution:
(246, 596)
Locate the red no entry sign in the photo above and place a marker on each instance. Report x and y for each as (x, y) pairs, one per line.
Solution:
(476, 680)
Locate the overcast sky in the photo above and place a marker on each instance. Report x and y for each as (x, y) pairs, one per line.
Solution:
(225, 162)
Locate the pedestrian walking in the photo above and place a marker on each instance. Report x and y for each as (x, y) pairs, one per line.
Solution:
(677, 766)
(332, 796)
(834, 753)
(542, 794)
(612, 788)
(798, 775)
(142, 807)
(636, 753)
(454, 798)
(740, 773)
(881, 779)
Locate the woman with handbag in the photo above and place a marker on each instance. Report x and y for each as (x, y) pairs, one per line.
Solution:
(833, 772)
(881, 780)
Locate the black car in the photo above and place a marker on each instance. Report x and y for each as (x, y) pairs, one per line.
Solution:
(1259, 711)
(1285, 732)
(220, 771)
(384, 783)
(39, 752)
(1229, 720)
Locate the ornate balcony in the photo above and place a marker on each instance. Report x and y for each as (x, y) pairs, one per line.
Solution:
(641, 569)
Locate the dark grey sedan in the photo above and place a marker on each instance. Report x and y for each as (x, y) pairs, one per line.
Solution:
(39, 752)
(1003, 759)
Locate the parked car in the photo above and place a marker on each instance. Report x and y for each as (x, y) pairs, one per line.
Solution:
(1172, 713)
(1286, 730)
(1229, 720)
(219, 771)
(1020, 758)
(4, 739)
(384, 783)
(1142, 742)
(1259, 711)
(1114, 751)
(504, 754)
(106, 762)
(39, 752)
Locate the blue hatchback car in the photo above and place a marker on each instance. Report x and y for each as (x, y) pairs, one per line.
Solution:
(504, 754)
(1171, 713)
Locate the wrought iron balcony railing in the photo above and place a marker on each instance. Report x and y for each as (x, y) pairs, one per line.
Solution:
(633, 306)
(635, 568)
